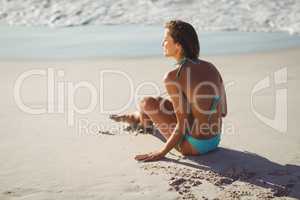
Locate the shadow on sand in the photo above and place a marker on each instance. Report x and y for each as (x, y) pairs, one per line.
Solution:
(284, 180)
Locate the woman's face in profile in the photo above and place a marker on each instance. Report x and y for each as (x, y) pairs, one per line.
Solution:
(170, 47)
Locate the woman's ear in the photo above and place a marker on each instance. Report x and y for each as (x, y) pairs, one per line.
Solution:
(179, 48)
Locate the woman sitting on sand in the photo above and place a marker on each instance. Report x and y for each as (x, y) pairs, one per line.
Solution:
(191, 120)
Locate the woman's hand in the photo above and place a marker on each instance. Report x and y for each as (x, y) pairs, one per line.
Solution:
(153, 156)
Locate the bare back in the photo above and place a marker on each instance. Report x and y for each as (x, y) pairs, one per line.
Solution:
(201, 83)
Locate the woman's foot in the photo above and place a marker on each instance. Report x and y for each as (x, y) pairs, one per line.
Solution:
(132, 119)
(134, 122)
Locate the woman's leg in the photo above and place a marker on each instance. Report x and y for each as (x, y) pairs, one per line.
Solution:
(156, 110)
(159, 111)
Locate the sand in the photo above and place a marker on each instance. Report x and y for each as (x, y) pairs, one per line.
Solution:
(62, 155)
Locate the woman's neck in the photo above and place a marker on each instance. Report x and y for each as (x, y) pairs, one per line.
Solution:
(179, 58)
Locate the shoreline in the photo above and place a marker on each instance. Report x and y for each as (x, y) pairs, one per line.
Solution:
(136, 41)
(153, 58)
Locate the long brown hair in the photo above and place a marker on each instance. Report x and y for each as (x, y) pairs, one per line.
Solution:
(184, 34)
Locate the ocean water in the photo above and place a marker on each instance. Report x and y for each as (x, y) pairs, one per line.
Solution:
(205, 15)
(125, 41)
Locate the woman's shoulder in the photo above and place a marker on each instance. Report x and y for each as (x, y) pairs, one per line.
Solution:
(206, 64)
(209, 68)
(200, 67)
(170, 75)
(176, 73)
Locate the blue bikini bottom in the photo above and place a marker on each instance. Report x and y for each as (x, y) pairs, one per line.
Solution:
(203, 145)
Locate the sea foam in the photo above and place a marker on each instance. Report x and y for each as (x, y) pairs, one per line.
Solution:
(207, 15)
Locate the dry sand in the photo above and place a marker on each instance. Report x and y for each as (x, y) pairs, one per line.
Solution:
(42, 157)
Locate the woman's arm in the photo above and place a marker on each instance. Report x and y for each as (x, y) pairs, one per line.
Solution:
(223, 99)
(175, 89)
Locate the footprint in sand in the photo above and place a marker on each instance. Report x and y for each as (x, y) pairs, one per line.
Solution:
(18, 192)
